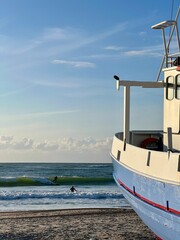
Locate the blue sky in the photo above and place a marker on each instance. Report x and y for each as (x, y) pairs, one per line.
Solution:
(57, 60)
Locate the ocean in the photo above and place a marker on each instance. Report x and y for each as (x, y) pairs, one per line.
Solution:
(31, 186)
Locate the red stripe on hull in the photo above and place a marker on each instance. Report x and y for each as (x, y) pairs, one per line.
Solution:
(171, 210)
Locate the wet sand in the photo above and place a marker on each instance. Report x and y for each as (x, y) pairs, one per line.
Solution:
(76, 224)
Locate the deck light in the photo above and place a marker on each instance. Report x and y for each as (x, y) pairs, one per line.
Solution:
(116, 77)
(117, 82)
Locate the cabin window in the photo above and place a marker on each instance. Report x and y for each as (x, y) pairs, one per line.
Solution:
(170, 88)
(178, 87)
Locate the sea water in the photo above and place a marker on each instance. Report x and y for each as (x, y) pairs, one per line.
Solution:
(31, 186)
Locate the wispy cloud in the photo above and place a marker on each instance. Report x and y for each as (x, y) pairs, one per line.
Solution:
(76, 64)
(142, 34)
(49, 113)
(77, 38)
(16, 47)
(59, 34)
(141, 53)
(154, 51)
(56, 40)
(114, 48)
(53, 84)
(103, 35)
(16, 91)
(38, 114)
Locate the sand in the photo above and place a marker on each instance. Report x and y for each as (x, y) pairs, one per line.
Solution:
(76, 224)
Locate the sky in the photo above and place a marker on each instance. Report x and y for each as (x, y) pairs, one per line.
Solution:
(58, 100)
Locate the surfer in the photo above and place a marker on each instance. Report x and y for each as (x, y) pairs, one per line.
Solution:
(72, 189)
(55, 179)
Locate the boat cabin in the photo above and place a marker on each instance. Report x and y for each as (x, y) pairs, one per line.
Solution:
(169, 138)
(172, 108)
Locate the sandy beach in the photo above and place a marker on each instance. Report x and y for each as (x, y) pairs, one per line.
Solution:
(77, 224)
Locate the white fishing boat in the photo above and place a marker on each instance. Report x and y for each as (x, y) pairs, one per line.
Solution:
(147, 163)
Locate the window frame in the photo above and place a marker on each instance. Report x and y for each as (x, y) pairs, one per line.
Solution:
(170, 87)
(177, 85)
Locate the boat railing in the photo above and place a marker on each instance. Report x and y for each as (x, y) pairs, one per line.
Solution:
(140, 138)
(173, 59)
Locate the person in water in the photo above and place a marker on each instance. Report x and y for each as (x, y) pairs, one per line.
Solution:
(55, 179)
(72, 189)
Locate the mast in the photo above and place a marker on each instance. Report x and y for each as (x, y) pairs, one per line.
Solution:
(162, 26)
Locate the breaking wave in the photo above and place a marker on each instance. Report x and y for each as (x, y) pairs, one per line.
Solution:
(35, 181)
(20, 195)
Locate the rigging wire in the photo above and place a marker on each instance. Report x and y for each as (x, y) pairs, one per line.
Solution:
(172, 8)
(171, 16)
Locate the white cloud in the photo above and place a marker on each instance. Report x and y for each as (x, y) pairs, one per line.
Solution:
(61, 145)
(89, 143)
(77, 64)
(47, 146)
(5, 142)
(23, 144)
(114, 48)
(6, 138)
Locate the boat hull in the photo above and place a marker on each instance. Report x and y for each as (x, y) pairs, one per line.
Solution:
(155, 202)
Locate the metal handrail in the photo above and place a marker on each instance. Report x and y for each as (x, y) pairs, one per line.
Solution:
(168, 44)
